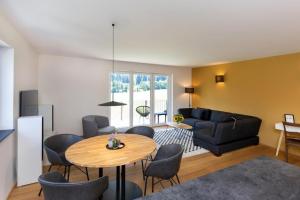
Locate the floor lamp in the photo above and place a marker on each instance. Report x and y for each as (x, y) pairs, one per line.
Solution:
(189, 91)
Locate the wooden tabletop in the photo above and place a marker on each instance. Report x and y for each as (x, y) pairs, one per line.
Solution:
(92, 152)
(180, 125)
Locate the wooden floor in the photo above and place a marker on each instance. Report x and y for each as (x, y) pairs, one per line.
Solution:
(191, 168)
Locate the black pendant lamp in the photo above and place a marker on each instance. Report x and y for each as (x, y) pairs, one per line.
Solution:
(112, 102)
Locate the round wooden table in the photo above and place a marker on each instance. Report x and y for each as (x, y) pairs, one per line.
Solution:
(92, 152)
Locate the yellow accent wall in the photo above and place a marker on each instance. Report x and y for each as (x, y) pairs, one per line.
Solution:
(267, 88)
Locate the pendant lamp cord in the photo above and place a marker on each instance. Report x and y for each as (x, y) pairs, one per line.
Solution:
(113, 58)
(113, 49)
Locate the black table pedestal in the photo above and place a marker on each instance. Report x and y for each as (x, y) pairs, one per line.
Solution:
(132, 191)
(120, 189)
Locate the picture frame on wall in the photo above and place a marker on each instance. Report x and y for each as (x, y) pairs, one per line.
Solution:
(289, 118)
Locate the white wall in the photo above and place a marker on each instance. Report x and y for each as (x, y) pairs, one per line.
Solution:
(75, 86)
(25, 77)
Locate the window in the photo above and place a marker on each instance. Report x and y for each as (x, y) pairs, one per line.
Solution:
(6, 87)
(120, 86)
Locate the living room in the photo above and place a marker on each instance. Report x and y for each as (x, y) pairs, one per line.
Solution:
(206, 88)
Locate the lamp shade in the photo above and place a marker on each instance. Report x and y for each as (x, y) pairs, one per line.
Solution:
(220, 78)
(189, 90)
(112, 103)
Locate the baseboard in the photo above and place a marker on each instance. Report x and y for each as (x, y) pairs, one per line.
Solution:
(11, 190)
(281, 151)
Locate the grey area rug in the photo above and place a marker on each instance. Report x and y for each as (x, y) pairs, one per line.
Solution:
(258, 179)
(178, 136)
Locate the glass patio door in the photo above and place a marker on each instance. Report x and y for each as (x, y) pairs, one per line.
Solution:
(120, 86)
(147, 98)
(161, 93)
(141, 99)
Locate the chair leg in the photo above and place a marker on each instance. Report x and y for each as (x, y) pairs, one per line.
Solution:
(145, 188)
(65, 171)
(50, 168)
(143, 171)
(152, 189)
(177, 178)
(40, 192)
(286, 152)
(87, 173)
(162, 186)
(171, 182)
(69, 169)
(100, 171)
(151, 157)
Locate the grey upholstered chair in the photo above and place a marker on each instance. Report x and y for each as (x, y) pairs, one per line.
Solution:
(144, 131)
(165, 165)
(55, 147)
(94, 125)
(56, 187)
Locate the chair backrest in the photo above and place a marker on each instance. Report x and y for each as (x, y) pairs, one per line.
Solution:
(290, 131)
(102, 121)
(142, 130)
(58, 144)
(167, 161)
(56, 187)
(144, 111)
(92, 123)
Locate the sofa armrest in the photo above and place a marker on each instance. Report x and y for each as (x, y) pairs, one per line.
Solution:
(186, 112)
(241, 129)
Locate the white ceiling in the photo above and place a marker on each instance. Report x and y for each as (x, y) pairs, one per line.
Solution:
(170, 32)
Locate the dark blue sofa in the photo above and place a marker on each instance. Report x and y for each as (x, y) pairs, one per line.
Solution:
(219, 131)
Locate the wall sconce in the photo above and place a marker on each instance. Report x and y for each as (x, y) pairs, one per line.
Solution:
(220, 78)
(189, 91)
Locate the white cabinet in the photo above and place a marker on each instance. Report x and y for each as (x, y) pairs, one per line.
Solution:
(29, 156)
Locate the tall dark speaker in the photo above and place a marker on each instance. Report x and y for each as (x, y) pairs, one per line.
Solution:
(29, 105)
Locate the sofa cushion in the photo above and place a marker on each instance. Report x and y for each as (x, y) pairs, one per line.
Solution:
(186, 112)
(204, 135)
(201, 113)
(219, 116)
(190, 121)
(197, 113)
(202, 124)
(206, 114)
